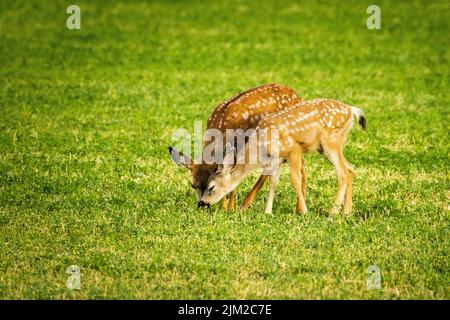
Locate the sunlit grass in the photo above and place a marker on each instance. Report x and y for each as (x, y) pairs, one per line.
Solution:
(86, 179)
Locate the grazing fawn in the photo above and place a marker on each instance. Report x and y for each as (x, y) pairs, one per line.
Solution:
(242, 111)
(319, 124)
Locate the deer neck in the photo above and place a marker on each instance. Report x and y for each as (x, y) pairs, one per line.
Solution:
(244, 165)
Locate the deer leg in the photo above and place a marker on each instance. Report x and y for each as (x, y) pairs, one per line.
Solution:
(348, 191)
(348, 194)
(334, 154)
(303, 178)
(231, 201)
(296, 166)
(252, 194)
(273, 179)
(224, 203)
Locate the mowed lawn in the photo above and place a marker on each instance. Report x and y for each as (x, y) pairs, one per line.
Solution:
(86, 179)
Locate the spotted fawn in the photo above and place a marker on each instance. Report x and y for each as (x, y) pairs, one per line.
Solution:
(243, 111)
(319, 124)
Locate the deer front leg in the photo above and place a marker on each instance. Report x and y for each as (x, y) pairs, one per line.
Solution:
(252, 194)
(224, 203)
(273, 179)
(303, 178)
(231, 202)
(228, 203)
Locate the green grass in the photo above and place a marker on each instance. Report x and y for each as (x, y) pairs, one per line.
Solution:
(86, 179)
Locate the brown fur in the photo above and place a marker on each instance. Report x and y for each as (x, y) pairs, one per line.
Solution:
(319, 124)
(243, 111)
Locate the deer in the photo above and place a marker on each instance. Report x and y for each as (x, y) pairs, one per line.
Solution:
(242, 111)
(314, 125)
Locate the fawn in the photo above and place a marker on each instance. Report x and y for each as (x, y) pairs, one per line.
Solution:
(242, 111)
(319, 124)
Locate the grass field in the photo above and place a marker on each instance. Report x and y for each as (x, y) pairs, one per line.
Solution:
(86, 178)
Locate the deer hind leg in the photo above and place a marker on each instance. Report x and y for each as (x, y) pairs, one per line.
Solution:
(297, 174)
(252, 194)
(333, 152)
(348, 191)
(348, 194)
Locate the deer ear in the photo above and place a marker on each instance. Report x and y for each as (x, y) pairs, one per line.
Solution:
(181, 159)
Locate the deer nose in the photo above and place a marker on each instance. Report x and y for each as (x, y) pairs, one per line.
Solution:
(202, 204)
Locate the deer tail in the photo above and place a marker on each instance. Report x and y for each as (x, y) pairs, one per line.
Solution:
(359, 114)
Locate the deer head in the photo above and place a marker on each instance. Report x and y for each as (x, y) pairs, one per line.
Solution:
(200, 173)
(222, 181)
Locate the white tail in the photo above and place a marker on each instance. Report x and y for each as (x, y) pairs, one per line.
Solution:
(359, 115)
